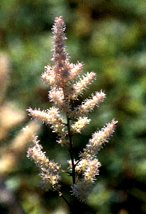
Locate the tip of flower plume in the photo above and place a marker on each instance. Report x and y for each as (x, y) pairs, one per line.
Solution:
(58, 18)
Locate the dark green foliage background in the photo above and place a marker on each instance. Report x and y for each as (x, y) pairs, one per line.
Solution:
(109, 37)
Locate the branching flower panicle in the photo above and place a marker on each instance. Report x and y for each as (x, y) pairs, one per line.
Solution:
(67, 85)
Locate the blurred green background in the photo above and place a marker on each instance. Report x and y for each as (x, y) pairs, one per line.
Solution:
(109, 37)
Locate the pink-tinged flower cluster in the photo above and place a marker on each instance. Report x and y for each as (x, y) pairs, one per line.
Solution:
(66, 85)
(51, 117)
(88, 105)
(88, 165)
(98, 139)
(79, 124)
(49, 170)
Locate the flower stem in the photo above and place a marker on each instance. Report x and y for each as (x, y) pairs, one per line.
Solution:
(71, 150)
(66, 201)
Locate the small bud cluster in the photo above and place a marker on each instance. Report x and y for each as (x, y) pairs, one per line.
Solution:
(66, 85)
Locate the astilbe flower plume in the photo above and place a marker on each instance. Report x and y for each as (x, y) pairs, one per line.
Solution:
(66, 85)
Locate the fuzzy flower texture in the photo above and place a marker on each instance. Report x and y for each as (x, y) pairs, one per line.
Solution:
(66, 85)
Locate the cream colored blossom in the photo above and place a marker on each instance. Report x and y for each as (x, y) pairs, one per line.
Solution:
(79, 125)
(98, 139)
(49, 170)
(91, 170)
(75, 70)
(49, 76)
(81, 85)
(88, 105)
(50, 116)
(57, 96)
